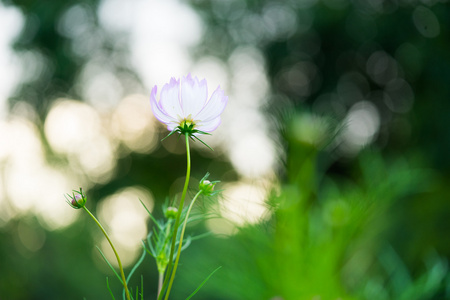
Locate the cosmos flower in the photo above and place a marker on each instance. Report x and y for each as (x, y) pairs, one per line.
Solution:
(185, 108)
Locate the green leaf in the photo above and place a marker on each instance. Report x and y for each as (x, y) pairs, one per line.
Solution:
(107, 285)
(142, 288)
(112, 268)
(200, 236)
(151, 216)
(138, 263)
(203, 283)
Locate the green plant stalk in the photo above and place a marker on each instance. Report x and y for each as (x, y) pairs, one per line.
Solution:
(124, 281)
(162, 269)
(181, 244)
(160, 282)
(177, 220)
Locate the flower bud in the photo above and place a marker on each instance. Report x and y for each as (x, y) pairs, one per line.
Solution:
(77, 199)
(171, 212)
(206, 186)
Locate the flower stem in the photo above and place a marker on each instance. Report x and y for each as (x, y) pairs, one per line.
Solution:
(181, 244)
(177, 224)
(124, 281)
(160, 282)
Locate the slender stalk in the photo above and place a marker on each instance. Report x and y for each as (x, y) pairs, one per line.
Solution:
(162, 269)
(124, 281)
(177, 220)
(180, 245)
(160, 282)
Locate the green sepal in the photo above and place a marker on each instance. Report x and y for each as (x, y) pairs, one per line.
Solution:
(190, 131)
(203, 143)
(172, 132)
(73, 202)
(206, 187)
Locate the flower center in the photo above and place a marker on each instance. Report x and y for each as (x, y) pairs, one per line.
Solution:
(187, 125)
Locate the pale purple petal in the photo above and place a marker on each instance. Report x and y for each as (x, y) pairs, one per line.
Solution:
(214, 107)
(158, 112)
(208, 126)
(171, 126)
(170, 100)
(194, 95)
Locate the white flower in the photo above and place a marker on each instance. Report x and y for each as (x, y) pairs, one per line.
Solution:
(184, 106)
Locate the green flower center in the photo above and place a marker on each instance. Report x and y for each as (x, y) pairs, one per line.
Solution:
(187, 126)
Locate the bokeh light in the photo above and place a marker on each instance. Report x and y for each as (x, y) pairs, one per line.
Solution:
(126, 220)
(27, 177)
(132, 125)
(12, 19)
(244, 203)
(360, 127)
(75, 129)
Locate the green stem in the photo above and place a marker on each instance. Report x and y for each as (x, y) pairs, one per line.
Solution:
(181, 244)
(162, 268)
(177, 221)
(160, 282)
(124, 281)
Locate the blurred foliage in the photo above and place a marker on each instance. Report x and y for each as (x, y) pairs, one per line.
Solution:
(325, 238)
(368, 225)
(326, 56)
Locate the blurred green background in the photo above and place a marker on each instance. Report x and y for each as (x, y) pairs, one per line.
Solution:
(332, 152)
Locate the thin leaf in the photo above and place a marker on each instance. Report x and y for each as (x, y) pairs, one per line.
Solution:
(151, 216)
(143, 245)
(138, 263)
(152, 250)
(142, 287)
(195, 218)
(107, 285)
(112, 268)
(200, 236)
(203, 283)
(187, 243)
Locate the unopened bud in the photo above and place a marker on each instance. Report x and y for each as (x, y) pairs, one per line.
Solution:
(171, 212)
(206, 186)
(77, 199)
